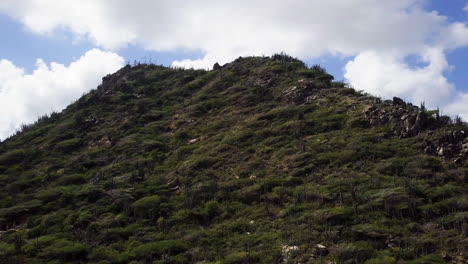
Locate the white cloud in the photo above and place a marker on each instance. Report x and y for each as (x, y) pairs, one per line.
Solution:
(466, 8)
(388, 75)
(375, 32)
(224, 30)
(24, 97)
(458, 106)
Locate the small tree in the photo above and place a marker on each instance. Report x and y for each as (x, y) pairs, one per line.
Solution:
(423, 107)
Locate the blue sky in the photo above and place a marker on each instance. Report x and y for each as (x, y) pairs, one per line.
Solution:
(53, 51)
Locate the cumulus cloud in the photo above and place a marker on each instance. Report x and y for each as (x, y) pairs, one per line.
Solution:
(458, 106)
(24, 97)
(224, 30)
(387, 75)
(378, 33)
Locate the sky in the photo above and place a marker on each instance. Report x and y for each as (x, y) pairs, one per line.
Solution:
(54, 51)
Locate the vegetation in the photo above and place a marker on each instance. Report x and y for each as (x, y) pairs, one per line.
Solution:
(262, 160)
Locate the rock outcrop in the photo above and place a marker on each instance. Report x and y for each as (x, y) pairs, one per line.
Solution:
(407, 121)
(300, 93)
(453, 145)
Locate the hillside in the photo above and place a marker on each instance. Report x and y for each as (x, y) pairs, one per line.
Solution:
(262, 160)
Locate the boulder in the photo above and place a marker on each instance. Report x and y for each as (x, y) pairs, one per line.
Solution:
(321, 250)
(105, 141)
(369, 109)
(289, 252)
(398, 101)
(194, 140)
(216, 67)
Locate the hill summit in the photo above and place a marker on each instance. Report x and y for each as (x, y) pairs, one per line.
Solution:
(261, 160)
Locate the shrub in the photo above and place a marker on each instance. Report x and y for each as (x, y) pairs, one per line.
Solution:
(203, 163)
(64, 249)
(430, 259)
(212, 208)
(16, 211)
(105, 253)
(154, 249)
(71, 179)
(68, 144)
(381, 260)
(6, 249)
(358, 122)
(357, 252)
(12, 157)
(237, 258)
(147, 206)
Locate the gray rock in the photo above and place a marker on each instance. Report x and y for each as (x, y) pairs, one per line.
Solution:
(216, 67)
(398, 101)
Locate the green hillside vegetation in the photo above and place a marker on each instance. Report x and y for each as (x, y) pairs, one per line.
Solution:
(262, 160)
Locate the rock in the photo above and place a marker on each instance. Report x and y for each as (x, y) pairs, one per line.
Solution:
(300, 93)
(398, 101)
(105, 141)
(173, 183)
(264, 82)
(393, 242)
(460, 259)
(408, 121)
(374, 122)
(446, 256)
(384, 119)
(440, 151)
(464, 149)
(398, 112)
(194, 140)
(404, 117)
(369, 109)
(321, 250)
(289, 252)
(216, 67)
(310, 85)
(106, 78)
(421, 119)
(430, 148)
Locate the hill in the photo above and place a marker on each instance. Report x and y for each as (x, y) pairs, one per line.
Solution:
(262, 160)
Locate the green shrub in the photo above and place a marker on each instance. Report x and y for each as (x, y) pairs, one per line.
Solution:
(71, 179)
(381, 260)
(12, 157)
(68, 144)
(6, 249)
(147, 206)
(237, 258)
(105, 253)
(18, 210)
(358, 122)
(357, 252)
(155, 249)
(203, 163)
(430, 259)
(64, 249)
(212, 208)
